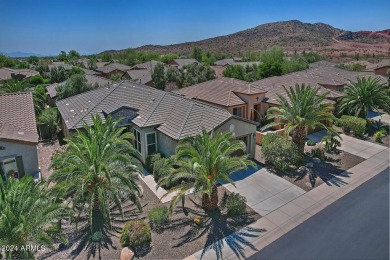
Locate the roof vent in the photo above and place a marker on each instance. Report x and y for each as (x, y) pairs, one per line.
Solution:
(71, 110)
(20, 133)
(67, 104)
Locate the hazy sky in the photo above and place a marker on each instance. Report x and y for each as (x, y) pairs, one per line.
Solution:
(91, 26)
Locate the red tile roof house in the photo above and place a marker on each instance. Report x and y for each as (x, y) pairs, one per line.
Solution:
(18, 135)
(158, 119)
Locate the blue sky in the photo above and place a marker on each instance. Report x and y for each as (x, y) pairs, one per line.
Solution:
(49, 26)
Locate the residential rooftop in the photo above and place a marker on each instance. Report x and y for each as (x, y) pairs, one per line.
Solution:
(110, 67)
(17, 117)
(221, 91)
(170, 113)
(7, 73)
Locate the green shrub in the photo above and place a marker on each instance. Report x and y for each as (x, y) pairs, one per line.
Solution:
(136, 233)
(331, 143)
(311, 143)
(235, 204)
(159, 216)
(150, 160)
(280, 152)
(378, 137)
(318, 152)
(36, 80)
(354, 124)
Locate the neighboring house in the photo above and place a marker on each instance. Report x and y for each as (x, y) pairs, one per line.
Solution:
(91, 79)
(220, 65)
(18, 74)
(18, 136)
(239, 97)
(142, 73)
(58, 64)
(158, 119)
(380, 68)
(112, 68)
(180, 63)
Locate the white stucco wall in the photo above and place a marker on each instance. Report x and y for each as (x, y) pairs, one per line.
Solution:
(29, 153)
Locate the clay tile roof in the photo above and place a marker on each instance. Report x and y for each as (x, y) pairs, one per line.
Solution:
(143, 76)
(52, 90)
(7, 73)
(221, 91)
(171, 113)
(112, 67)
(17, 117)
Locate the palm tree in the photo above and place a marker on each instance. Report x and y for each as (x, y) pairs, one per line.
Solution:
(49, 117)
(363, 96)
(201, 162)
(28, 216)
(14, 86)
(98, 169)
(303, 109)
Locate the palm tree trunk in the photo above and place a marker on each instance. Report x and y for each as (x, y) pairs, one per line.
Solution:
(299, 138)
(96, 202)
(210, 203)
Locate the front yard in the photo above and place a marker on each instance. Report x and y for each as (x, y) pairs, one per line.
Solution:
(178, 239)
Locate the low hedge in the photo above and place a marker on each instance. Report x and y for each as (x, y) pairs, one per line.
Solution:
(353, 124)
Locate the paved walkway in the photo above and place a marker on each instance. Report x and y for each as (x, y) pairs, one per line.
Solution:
(264, 231)
(265, 191)
(352, 145)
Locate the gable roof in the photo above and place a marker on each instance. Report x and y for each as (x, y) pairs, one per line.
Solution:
(184, 62)
(221, 91)
(172, 114)
(143, 76)
(112, 67)
(7, 73)
(17, 117)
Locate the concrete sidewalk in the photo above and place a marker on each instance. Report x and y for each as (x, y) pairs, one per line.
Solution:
(256, 236)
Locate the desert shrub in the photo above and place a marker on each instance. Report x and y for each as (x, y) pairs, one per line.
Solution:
(136, 233)
(159, 215)
(378, 137)
(354, 124)
(280, 152)
(235, 204)
(331, 142)
(318, 152)
(311, 143)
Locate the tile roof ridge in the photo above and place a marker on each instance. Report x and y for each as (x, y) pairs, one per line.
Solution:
(155, 107)
(186, 119)
(16, 93)
(114, 87)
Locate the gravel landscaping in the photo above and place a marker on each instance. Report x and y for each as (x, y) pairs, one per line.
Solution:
(178, 239)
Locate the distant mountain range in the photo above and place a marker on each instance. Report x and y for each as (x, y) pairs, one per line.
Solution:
(290, 35)
(19, 54)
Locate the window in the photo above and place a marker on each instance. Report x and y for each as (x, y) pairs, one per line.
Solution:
(137, 141)
(9, 167)
(238, 111)
(151, 143)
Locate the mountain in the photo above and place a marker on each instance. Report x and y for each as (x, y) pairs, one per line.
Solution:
(19, 54)
(291, 35)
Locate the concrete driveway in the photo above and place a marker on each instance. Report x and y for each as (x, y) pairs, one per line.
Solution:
(265, 191)
(352, 145)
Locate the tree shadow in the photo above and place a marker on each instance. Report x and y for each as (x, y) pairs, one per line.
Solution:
(220, 231)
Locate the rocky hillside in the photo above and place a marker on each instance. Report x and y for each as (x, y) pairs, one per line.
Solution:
(291, 35)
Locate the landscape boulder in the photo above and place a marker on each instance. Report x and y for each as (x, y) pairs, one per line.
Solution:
(127, 254)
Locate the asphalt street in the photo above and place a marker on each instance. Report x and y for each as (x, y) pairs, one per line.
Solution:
(354, 227)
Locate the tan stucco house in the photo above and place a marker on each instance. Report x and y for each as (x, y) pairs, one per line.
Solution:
(158, 119)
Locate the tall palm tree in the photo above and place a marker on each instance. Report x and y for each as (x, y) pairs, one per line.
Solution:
(201, 162)
(28, 216)
(97, 169)
(49, 117)
(363, 96)
(303, 109)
